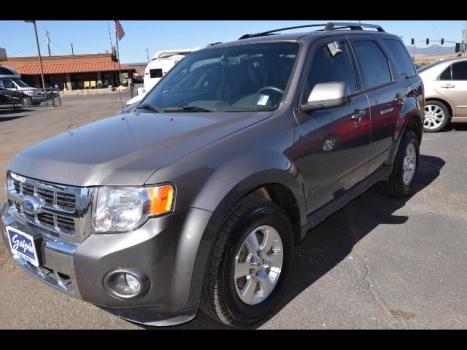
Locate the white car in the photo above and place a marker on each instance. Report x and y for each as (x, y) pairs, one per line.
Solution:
(13, 82)
(445, 93)
(162, 62)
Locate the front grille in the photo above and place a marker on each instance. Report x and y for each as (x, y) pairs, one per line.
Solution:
(59, 204)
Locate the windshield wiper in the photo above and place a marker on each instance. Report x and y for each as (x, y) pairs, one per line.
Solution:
(147, 107)
(187, 108)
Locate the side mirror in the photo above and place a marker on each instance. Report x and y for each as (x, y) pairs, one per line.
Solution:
(326, 95)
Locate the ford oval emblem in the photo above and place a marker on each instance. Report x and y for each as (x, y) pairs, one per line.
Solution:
(31, 205)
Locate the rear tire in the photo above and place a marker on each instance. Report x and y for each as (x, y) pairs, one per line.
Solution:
(436, 117)
(225, 297)
(401, 181)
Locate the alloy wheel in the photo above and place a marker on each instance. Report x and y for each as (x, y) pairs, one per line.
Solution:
(409, 164)
(434, 116)
(258, 264)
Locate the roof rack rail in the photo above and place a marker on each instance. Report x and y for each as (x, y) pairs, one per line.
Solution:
(352, 26)
(327, 27)
(214, 44)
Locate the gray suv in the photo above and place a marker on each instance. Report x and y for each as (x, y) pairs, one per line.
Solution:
(196, 197)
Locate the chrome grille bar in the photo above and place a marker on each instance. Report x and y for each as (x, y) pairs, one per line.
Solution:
(64, 211)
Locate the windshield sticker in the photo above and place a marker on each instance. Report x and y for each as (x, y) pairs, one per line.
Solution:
(263, 100)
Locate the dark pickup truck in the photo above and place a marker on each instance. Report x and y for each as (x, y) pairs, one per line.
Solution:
(196, 197)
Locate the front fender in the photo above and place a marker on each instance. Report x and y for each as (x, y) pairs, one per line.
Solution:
(247, 172)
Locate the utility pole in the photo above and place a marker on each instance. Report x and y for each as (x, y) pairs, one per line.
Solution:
(118, 60)
(48, 41)
(39, 52)
(72, 53)
(147, 55)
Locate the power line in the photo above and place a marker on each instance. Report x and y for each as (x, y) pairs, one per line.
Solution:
(432, 24)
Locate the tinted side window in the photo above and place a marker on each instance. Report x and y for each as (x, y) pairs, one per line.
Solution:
(373, 64)
(446, 75)
(401, 57)
(4, 70)
(7, 84)
(326, 68)
(459, 71)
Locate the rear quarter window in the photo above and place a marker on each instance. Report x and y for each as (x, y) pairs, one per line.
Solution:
(446, 75)
(402, 60)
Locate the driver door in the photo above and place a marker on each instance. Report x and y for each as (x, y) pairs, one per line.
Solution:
(334, 141)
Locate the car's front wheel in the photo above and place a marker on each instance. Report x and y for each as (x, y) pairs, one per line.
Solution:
(26, 101)
(250, 264)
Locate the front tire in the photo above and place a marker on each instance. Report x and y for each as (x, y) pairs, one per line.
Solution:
(27, 101)
(401, 181)
(436, 117)
(250, 264)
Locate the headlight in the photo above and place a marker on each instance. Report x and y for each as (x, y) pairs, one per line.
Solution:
(121, 209)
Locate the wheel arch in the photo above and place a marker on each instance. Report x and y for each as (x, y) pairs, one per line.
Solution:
(443, 101)
(273, 185)
(413, 120)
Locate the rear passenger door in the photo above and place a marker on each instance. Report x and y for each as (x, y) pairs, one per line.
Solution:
(385, 97)
(453, 84)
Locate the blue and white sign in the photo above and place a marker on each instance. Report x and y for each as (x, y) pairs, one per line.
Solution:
(22, 245)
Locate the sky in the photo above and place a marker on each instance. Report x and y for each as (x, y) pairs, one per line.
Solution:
(17, 37)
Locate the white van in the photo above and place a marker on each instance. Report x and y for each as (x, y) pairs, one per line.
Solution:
(162, 62)
(10, 79)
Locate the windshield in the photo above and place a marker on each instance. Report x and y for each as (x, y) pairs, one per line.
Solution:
(20, 83)
(247, 77)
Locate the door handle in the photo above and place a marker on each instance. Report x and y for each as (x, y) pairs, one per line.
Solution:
(448, 86)
(398, 98)
(357, 115)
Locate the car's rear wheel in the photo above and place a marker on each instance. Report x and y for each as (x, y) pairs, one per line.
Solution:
(436, 116)
(250, 264)
(402, 178)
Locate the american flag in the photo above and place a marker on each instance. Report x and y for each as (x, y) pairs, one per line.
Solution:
(119, 30)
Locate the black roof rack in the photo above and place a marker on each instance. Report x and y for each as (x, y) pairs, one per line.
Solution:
(214, 44)
(327, 27)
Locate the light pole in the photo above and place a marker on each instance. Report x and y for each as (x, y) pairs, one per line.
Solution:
(39, 52)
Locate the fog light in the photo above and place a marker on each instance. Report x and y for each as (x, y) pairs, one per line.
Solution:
(126, 284)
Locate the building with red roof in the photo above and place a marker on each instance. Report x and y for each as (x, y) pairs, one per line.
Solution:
(70, 71)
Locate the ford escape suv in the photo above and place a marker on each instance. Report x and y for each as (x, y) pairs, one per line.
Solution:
(196, 197)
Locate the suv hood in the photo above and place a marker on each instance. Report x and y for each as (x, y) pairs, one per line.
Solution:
(126, 149)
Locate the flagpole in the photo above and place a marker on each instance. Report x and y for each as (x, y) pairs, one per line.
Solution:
(118, 59)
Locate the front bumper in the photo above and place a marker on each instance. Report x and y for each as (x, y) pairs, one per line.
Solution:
(166, 249)
(37, 99)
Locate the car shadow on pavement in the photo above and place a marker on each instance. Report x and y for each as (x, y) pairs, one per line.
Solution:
(457, 127)
(329, 243)
(11, 114)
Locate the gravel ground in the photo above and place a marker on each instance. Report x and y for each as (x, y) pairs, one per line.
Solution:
(378, 263)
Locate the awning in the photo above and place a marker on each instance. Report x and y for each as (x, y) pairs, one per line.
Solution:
(70, 68)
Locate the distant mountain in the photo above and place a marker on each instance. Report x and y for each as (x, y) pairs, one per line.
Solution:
(433, 50)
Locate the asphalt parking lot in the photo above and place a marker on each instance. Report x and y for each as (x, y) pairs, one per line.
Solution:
(378, 263)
